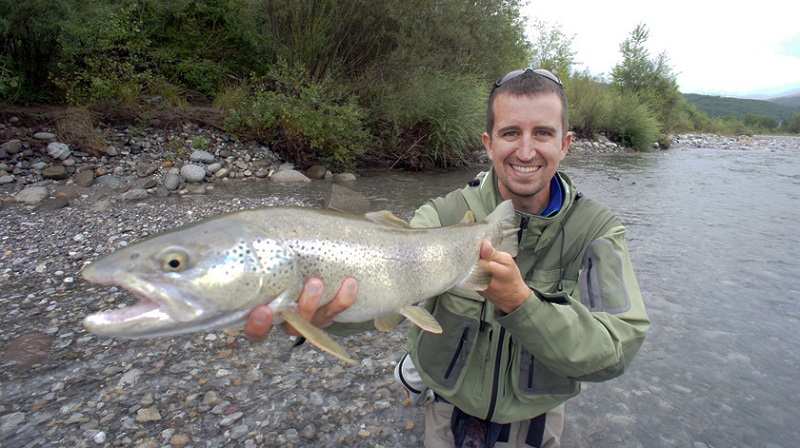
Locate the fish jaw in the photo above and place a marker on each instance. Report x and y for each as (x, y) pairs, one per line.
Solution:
(162, 310)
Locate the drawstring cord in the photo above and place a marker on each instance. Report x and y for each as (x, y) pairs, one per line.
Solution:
(560, 286)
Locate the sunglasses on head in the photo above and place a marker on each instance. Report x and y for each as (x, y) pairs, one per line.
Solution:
(519, 72)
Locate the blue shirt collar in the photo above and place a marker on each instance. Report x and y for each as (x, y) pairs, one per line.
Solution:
(556, 198)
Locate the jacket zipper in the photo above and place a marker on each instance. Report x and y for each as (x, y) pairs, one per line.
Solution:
(459, 349)
(523, 225)
(495, 378)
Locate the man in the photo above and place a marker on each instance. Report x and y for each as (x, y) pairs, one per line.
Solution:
(567, 309)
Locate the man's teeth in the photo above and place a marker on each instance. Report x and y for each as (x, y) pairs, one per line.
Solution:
(525, 169)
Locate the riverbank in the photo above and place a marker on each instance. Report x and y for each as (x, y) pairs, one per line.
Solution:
(39, 165)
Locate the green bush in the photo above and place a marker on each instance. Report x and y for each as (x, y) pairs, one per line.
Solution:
(588, 105)
(307, 120)
(631, 123)
(430, 119)
(105, 65)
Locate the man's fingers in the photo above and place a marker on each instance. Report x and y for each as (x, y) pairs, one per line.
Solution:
(344, 298)
(308, 303)
(259, 324)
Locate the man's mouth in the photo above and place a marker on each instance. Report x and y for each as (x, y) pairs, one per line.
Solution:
(525, 169)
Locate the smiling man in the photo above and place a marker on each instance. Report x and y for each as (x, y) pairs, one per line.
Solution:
(567, 309)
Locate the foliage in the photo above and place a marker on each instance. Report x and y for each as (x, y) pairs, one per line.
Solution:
(306, 118)
(105, 65)
(29, 44)
(552, 49)
(630, 122)
(652, 81)
(588, 104)
(432, 119)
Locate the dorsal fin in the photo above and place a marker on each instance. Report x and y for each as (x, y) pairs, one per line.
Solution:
(468, 218)
(386, 218)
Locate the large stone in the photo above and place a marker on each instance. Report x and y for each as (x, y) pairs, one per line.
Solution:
(58, 150)
(171, 181)
(289, 176)
(12, 146)
(202, 157)
(193, 173)
(57, 172)
(347, 200)
(316, 172)
(32, 195)
(48, 136)
(84, 178)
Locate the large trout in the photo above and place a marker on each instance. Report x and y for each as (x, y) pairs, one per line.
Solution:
(212, 273)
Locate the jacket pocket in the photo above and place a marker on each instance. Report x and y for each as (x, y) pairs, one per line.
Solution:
(536, 379)
(444, 356)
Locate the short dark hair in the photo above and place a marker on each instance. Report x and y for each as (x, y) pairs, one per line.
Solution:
(528, 83)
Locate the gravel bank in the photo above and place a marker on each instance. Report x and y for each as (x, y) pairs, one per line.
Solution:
(63, 387)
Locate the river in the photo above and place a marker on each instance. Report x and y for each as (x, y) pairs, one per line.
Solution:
(713, 236)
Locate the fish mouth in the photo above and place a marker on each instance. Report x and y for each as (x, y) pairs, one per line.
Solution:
(154, 313)
(142, 319)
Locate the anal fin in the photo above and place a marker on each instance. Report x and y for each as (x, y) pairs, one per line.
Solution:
(387, 323)
(315, 335)
(421, 318)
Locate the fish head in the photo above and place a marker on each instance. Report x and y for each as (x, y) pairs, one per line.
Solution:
(198, 277)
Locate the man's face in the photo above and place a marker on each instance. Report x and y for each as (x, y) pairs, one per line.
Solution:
(526, 147)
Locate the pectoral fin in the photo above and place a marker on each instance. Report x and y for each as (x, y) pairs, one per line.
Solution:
(478, 278)
(422, 318)
(315, 335)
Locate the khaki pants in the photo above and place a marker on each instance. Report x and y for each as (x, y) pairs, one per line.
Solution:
(439, 435)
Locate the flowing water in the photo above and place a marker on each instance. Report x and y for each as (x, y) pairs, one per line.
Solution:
(713, 235)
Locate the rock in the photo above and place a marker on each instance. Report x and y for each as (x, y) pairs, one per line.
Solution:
(171, 181)
(47, 136)
(84, 178)
(12, 146)
(344, 177)
(111, 181)
(135, 194)
(316, 172)
(148, 415)
(58, 150)
(179, 440)
(32, 195)
(146, 169)
(7, 179)
(346, 200)
(289, 176)
(200, 156)
(57, 172)
(193, 173)
(53, 204)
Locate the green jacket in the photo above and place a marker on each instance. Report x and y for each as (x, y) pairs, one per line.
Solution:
(584, 319)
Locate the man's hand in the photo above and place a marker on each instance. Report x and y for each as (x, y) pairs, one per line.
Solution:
(259, 323)
(507, 290)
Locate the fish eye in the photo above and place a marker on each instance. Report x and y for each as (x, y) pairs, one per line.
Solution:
(174, 261)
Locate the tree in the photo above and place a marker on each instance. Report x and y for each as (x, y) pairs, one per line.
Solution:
(651, 79)
(552, 49)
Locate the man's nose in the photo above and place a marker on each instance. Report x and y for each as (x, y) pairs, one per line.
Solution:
(527, 148)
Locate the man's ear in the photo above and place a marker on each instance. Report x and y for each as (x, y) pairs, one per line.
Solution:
(487, 143)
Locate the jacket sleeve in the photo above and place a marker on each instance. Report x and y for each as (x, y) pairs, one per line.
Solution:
(593, 332)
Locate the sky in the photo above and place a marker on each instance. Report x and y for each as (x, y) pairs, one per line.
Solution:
(714, 47)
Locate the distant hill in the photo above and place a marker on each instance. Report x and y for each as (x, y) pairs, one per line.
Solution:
(791, 101)
(782, 108)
